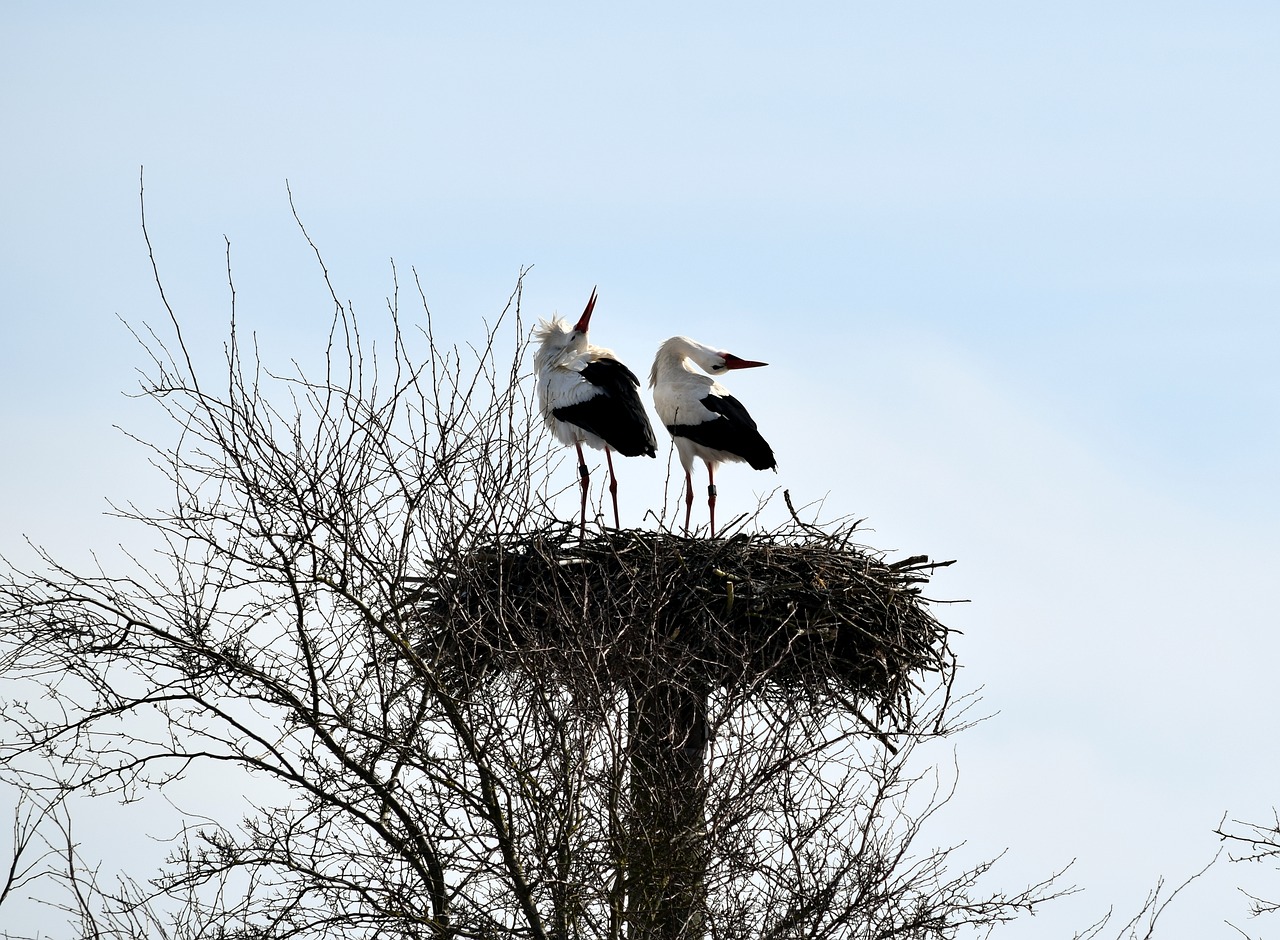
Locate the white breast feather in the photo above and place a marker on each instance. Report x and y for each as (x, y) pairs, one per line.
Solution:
(562, 386)
(678, 398)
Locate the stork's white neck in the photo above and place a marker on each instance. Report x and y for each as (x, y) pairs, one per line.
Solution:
(683, 353)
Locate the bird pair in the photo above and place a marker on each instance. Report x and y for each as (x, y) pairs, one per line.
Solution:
(587, 396)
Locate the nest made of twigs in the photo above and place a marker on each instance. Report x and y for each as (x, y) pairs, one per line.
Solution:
(799, 608)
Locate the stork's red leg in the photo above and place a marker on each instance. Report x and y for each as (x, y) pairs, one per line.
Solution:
(583, 475)
(688, 499)
(613, 488)
(711, 496)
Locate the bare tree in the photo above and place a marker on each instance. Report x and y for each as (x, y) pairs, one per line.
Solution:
(482, 725)
(1143, 924)
(1256, 843)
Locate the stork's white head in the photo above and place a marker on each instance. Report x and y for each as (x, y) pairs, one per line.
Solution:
(558, 338)
(678, 350)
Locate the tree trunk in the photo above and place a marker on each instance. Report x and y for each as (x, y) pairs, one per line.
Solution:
(667, 864)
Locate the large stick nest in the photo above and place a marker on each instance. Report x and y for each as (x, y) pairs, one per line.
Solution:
(779, 611)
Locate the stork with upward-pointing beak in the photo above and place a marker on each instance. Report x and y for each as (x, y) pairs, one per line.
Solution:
(704, 419)
(587, 396)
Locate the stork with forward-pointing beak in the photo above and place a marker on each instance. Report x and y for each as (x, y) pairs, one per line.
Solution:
(587, 396)
(705, 421)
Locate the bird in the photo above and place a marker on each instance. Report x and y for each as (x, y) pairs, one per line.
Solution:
(705, 421)
(587, 396)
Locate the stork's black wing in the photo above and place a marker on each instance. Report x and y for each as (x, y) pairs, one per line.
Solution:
(734, 432)
(615, 413)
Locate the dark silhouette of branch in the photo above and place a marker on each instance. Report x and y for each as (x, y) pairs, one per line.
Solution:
(1255, 843)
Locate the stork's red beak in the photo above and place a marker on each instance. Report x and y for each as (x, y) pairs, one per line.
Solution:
(733, 362)
(585, 320)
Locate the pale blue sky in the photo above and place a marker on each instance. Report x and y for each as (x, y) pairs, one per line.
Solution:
(1025, 259)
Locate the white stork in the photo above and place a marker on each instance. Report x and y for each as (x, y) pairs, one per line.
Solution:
(703, 418)
(588, 397)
